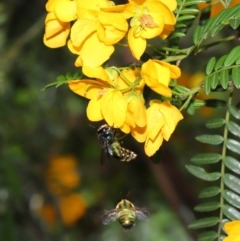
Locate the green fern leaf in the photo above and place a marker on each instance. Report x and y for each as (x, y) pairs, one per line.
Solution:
(214, 80)
(207, 207)
(197, 34)
(204, 223)
(215, 123)
(210, 139)
(207, 85)
(209, 192)
(234, 23)
(210, 65)
(232, 164)
(232, 198)
(232, 56)
(202, 174)
(207, 236)
(231, 212)
(192, 2)
(234, 111)
(224, 78)
(233, 145)
(206, 158)
(220, 62)
(213, 32)
(186, 17)
(233, 128)
(232, 182)
(236, 77)
(189, 11)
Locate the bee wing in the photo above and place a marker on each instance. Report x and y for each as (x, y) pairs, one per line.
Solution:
(109, 216)
(104, 156)
(141, 213)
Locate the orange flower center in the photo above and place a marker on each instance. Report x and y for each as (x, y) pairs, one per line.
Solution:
(147, 21)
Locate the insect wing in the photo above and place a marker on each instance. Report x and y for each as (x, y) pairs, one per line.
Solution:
(104, 156)
(141, 213)
(109, 216)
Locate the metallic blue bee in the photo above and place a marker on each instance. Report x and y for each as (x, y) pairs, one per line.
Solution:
(111, 146)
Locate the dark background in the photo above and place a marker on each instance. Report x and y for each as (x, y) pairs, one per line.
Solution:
(37, 125)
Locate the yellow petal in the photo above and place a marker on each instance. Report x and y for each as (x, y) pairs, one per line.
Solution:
(175, 71)
(94, 53)
(137, 110)
(137, 45)
(50, 5)
(139, 133)
(86, 88)
(81, 30)
(65, 10)
(112, 29)
(114, 108)
(94, 112)
(56, 32)
(151, 147)
(72, 207)
(157, 77)
(166, 31)
(171, 4)
(172, 116)
(95, 72)
(125, 128)
(155, 120)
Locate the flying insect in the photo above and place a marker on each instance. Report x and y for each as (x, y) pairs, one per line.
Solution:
(126, 213)
(110, 146)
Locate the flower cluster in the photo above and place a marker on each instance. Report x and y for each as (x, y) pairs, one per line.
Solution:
(99, 24)
(117, 97)
(61, 179)
(116, 94)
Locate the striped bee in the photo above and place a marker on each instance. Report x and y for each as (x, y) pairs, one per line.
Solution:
(126, 213)
(110, 145)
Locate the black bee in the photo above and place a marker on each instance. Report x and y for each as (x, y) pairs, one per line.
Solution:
(110, 145)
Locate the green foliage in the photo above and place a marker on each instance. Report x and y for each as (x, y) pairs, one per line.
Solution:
(185, 13)
(228, 16)
(219, 72)
(226, 196)
(63, 79)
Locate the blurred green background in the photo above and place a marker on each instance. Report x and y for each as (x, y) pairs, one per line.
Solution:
(52, 185)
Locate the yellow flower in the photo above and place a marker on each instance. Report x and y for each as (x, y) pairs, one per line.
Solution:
(62, 175)
(57, 23)
(217, 6)
(113, 95)
(95, 32)
(72, 207)
(157, 76)
(162, 118)
(232, 229)
(149, 20)
(136, 112)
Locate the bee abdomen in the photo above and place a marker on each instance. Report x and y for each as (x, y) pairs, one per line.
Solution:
(127, 220)
(127, 155)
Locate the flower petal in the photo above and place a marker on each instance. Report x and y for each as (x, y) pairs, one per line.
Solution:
(114, 108)
(65, 10)
(86, 88)
(94, 112)
(56, 32)
(137, 45)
